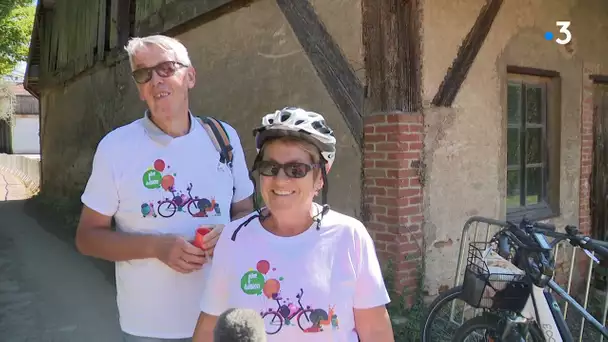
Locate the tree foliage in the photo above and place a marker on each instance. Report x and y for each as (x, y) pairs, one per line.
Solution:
(16, 24)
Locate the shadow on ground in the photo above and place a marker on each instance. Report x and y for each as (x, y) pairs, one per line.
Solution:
(48, 291)
(62, 224)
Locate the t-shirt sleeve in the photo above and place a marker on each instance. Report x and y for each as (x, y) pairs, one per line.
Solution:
(214, 300)
(243, 187)
(101, 191)
(370, 290)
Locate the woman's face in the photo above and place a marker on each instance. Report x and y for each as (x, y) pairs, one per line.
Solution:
(282, 194)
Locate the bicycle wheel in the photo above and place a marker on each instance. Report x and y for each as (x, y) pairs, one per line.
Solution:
(307, 323)
(166, 209)
(193, 208)
(492, 326)
(444, 316)
(275, 322)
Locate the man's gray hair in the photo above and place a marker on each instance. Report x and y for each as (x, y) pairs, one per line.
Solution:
(173, 45)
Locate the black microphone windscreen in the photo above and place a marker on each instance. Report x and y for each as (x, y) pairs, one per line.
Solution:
(239, 325)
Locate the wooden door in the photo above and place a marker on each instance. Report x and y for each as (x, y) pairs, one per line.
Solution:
(599, 177)
(599, 171)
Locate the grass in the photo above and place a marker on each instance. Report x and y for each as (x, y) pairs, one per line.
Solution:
(513, 201)
(406, 308)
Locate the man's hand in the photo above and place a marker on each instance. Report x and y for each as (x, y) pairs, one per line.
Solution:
(211, 238)
(179, 254)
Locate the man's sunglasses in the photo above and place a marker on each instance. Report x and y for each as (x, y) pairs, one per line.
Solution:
(292, 170)
(164, 69)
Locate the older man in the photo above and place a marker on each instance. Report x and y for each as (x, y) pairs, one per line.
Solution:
(160, 177)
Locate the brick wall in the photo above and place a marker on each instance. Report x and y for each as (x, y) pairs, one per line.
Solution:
(392, 194)
(582, 260)
(586, 152)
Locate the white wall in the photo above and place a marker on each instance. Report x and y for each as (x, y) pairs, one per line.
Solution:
(26, 138)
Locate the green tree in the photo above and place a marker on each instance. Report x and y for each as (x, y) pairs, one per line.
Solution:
(16, 24)
(6, 6)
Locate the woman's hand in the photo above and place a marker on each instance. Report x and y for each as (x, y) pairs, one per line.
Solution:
(373, 324)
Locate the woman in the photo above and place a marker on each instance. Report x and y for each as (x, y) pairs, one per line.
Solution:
(311, 272)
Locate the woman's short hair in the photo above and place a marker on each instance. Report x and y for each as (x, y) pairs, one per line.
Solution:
(310, 148)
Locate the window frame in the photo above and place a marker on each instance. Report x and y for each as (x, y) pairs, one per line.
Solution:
(548, 82)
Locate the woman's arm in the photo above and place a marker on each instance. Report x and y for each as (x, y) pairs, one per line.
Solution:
(373, 325)
(216, 294)
(372, 321)
(204, 328)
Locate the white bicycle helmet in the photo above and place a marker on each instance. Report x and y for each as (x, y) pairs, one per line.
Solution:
(291, 121)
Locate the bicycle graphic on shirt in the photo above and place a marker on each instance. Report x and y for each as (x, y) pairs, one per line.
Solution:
(309, 320)
(197, 207)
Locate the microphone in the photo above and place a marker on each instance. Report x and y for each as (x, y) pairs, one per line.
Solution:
(239, 325)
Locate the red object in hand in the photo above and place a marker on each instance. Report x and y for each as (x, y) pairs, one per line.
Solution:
(198, 239)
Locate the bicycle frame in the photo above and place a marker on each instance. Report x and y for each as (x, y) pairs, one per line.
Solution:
(544, 309)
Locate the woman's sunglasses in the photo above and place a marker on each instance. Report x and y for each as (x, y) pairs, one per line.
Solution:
(164, 69)
(292, 170)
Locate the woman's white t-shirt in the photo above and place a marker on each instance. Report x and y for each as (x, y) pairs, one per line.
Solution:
(305, 286)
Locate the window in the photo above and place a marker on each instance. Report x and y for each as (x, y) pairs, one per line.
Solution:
(120, 23)
(531, 154)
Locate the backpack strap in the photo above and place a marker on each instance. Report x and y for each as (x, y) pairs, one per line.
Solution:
(220, 138)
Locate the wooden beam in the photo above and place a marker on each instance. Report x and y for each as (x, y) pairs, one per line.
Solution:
(332, 67)
(599, 79)
(31, 76)
(391, 39)
(467, 53)
(101, 31)
(512, 69)
(176, 13)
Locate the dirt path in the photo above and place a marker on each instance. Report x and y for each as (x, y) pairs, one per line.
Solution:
(48, 292)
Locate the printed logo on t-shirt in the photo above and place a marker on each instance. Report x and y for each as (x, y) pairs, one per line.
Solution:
(161, 179)
(265, 283)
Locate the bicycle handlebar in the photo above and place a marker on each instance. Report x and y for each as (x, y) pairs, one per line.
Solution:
(590, 244)
(527, 225)
(522, 237)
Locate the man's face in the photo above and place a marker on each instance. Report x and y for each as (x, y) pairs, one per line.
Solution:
(165, 96)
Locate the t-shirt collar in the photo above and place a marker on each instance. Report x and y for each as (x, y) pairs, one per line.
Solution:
(156, 134)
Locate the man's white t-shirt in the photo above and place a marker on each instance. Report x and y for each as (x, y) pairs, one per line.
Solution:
(155, 184)
(305, 286)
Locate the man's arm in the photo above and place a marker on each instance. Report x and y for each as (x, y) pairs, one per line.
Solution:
(95, 237)
(242, 199)
(241, 208)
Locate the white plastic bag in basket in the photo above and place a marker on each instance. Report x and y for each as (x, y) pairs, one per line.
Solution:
(497, 265)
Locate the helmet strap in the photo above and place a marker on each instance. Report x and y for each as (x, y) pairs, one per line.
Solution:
(324, 191)
(256, 204)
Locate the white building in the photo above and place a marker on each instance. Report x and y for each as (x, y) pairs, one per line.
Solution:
(24, 135)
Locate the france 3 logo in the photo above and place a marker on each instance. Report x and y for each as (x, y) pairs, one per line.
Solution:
(563, 30)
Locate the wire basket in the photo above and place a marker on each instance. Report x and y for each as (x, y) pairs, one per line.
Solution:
(492, 282)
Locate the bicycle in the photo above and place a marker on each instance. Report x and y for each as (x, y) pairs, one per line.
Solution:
(284, 315)
(168, 207)
(518, 304)
(435, 326)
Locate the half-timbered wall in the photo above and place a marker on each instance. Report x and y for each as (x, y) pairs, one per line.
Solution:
(467, 144)
(442, 150)
(248, 59)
